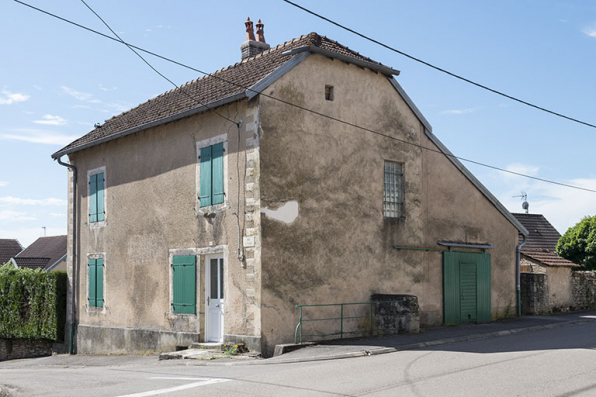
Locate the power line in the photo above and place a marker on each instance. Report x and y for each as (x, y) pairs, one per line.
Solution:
(310, 110)
(439, 68)
(154, 69)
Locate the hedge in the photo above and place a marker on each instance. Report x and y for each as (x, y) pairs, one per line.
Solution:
(32, 304)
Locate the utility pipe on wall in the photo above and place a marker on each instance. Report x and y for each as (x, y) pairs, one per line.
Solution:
(74, 247)
(518, 275)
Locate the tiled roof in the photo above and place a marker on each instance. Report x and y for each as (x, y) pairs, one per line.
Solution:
(546, 257)
(221, 84)
(8, 248)
(32, 263)
(540, 244)
(51, 248)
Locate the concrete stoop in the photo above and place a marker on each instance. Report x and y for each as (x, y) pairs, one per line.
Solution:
(209, 351)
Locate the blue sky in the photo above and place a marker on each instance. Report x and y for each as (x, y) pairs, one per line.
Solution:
(56, 81)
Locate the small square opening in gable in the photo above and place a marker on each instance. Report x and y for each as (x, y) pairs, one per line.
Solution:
(329, 92)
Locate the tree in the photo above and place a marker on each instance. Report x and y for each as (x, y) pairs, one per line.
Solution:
(578, 244)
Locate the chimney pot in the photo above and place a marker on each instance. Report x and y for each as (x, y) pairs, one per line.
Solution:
(250, 34)
(260, 32)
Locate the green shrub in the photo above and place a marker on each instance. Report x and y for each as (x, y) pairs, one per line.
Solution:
(32, 303)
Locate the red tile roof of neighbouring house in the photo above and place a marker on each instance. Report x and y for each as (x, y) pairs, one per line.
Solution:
(541, 243)
(9, 247)
(51, 249)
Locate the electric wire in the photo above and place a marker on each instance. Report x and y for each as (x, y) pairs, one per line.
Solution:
(450, 155)
(439, 68)
(153, 68)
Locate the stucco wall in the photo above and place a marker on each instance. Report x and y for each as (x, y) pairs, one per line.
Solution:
(339, 247)
(151, 209)
(559, 288)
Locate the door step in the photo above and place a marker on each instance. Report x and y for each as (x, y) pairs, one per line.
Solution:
(216, 346)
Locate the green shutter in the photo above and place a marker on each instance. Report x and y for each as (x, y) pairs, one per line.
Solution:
(99, 283)
(451, 295)
(92, 282)
(484, 289)
(93, 198)
(205, 187)
(100, 194)
(217, 174)
(184, 284)
(468, 289)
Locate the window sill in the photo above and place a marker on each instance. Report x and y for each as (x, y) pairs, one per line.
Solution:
(97, 225)
(212, 209)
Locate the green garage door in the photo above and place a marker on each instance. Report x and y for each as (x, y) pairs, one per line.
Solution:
(466, 287)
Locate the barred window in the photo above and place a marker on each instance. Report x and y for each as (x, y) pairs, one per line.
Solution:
(393, 190)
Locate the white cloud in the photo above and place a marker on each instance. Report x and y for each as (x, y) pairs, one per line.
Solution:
(459, 111)
(562, 206)
(38, 88)
(56, 214)
(590, 32)
(3, 183)
(101, 87)
(9, 200)
(48, 119)
(8, 98)
(16, 216)
(38, 136)
(79, 95)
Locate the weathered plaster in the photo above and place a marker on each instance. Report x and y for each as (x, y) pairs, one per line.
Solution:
(339, 248)
(286, 213)
(151, 201)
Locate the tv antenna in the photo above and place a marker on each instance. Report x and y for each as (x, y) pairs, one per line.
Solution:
(525, 204)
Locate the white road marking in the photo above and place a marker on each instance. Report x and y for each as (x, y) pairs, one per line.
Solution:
(203, 382)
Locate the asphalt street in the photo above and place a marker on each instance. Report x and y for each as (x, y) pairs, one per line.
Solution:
(550, 362)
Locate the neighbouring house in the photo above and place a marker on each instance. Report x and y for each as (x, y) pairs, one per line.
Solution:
(9, 247)
(46, 253)
(208, 212)
(543, 271)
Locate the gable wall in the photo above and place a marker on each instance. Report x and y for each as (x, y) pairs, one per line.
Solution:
(339, 247)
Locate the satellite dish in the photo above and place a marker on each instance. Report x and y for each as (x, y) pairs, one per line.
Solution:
(526, 206)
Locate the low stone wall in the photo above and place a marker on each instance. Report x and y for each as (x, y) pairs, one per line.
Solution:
(11, 349)
(534, 293)
(396, 313)
(584, 290)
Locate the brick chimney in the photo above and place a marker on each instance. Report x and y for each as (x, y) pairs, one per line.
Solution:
(252, 47)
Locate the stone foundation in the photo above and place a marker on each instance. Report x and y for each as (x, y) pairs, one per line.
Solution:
(105, 340)
(11, 349)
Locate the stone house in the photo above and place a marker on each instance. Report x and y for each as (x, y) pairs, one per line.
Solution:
(209, 212)
(553, 273)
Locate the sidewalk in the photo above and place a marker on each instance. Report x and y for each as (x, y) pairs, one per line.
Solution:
(430, 336)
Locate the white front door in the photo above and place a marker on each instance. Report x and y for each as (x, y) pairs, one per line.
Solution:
(214, 290)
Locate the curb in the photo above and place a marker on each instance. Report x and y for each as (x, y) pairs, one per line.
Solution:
(386, 350)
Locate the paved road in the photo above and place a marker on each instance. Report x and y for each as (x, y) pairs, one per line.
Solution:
(551, 362)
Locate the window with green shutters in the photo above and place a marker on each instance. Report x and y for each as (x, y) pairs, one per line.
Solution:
(96, 269)
(97, 211)
(211, 186)
(184, 276)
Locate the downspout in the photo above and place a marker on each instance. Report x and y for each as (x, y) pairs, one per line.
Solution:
(74, 247)
(518, 275)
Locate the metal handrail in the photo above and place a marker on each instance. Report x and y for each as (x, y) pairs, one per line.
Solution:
(299, 335)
